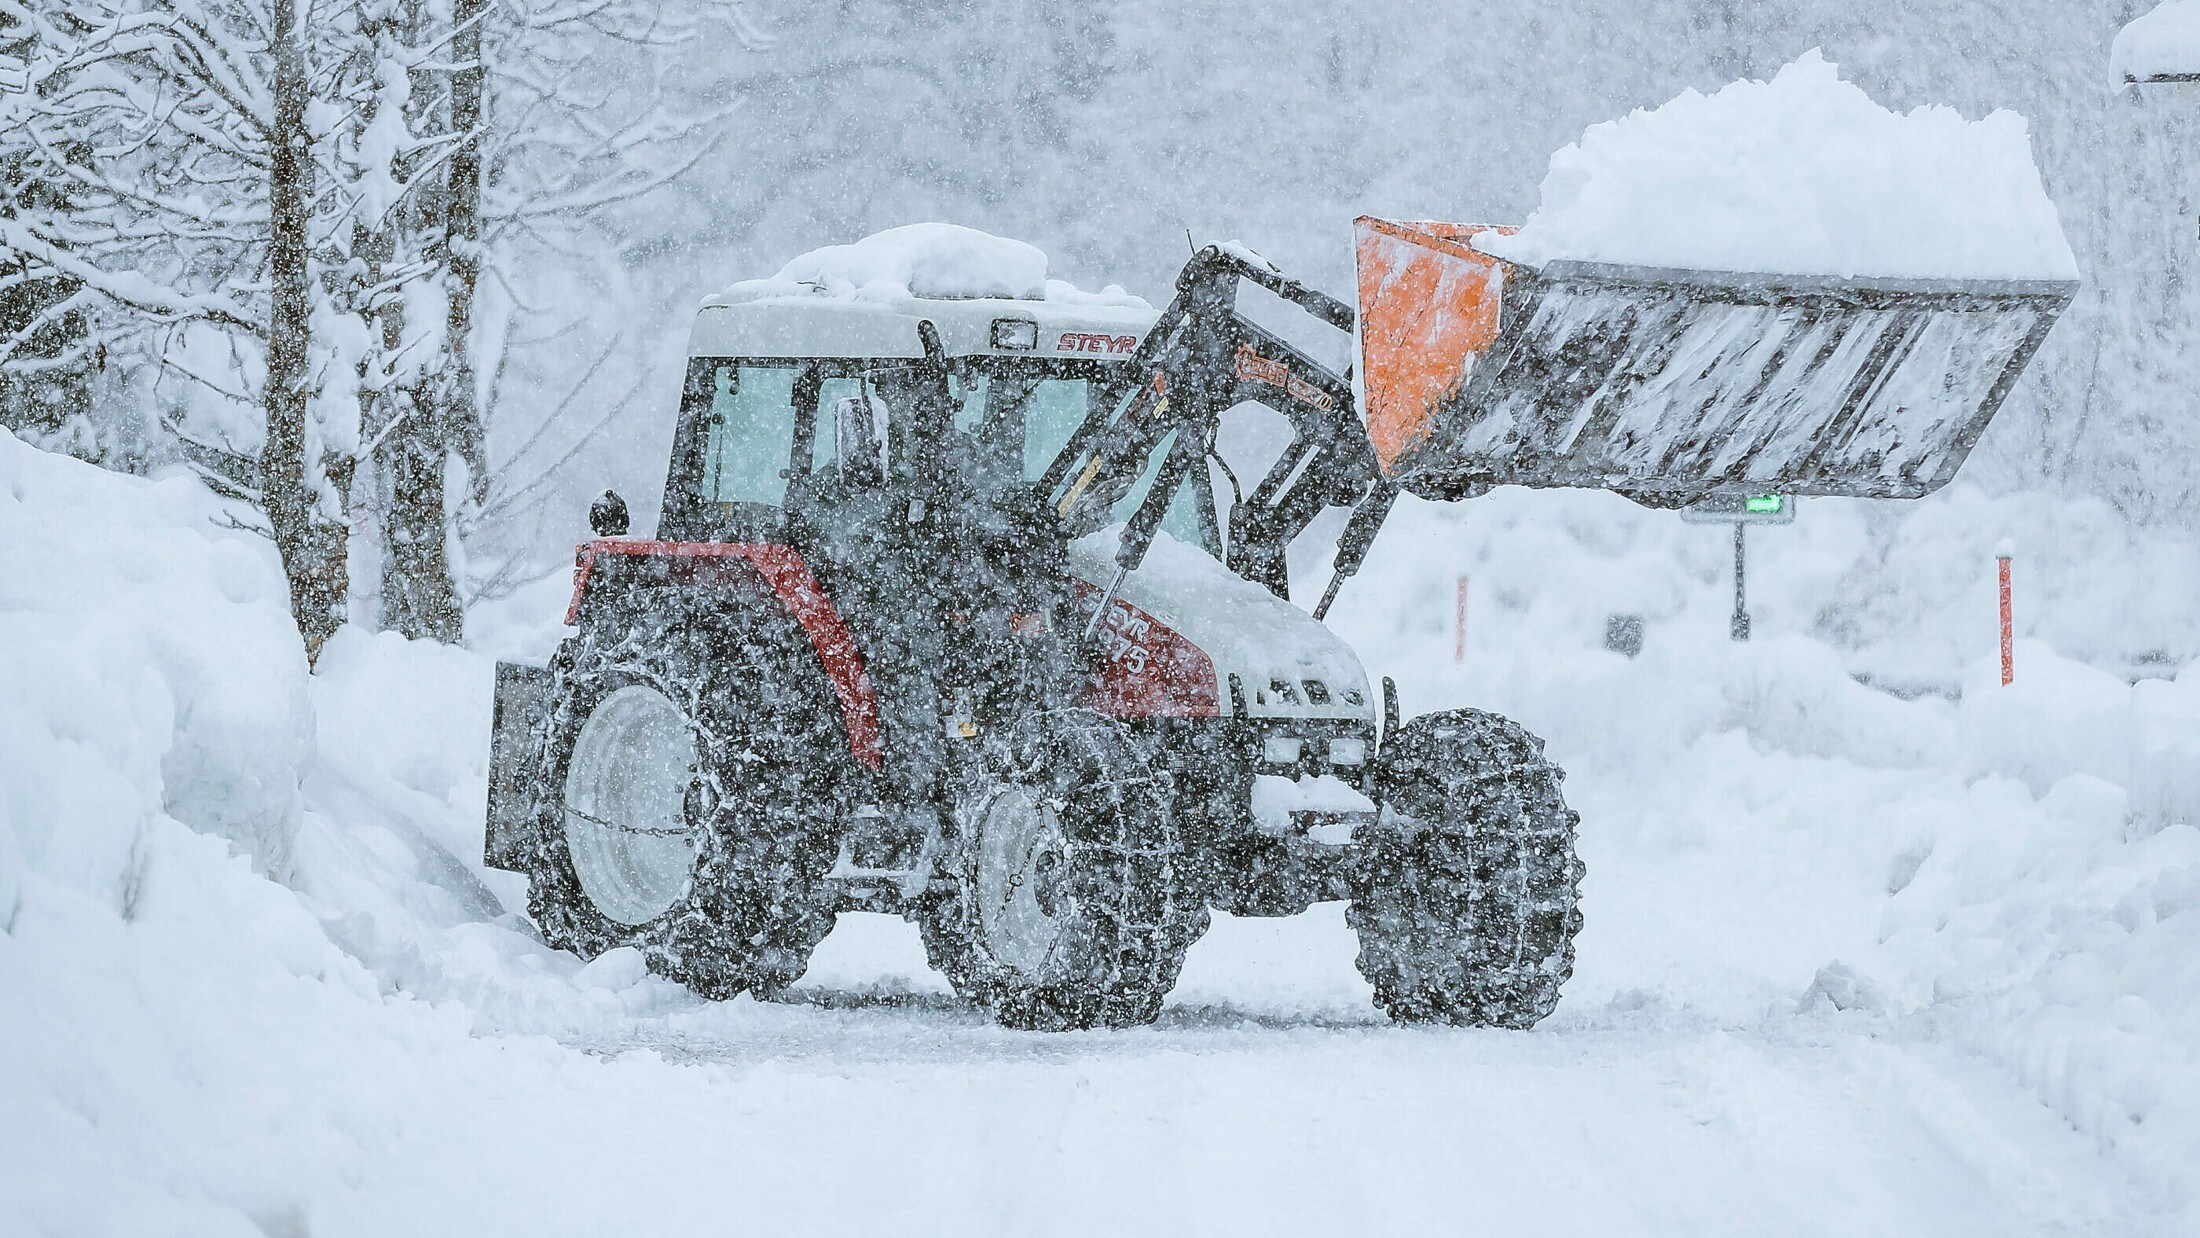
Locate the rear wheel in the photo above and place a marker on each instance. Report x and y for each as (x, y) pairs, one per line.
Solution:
(1069, 906)
(692, 757)
(1466, 887)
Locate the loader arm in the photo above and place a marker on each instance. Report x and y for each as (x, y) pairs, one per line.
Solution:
(1201, 359)
(1668, 386)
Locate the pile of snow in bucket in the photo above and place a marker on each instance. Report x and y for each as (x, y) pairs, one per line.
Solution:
(2162, 44)
(1801, 175)
(935, 261)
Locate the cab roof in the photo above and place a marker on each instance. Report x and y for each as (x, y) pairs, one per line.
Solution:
(987, 295)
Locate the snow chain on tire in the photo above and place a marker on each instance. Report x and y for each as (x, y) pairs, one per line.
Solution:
(1466, 890)
(762, 803)
(1131, 912)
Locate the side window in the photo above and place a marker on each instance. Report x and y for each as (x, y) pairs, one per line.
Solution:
(970, 401)
(969, 394)
(751, 435)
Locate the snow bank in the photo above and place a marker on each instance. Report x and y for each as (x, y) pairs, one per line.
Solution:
(2057, 938)
(938, 261)
(1800, 175)
(2164, 43)
(2062, 719)
(2016, 871)
(415, 713)
(149, 670)
(2057, 718)
(389, 854)
(207, 1022)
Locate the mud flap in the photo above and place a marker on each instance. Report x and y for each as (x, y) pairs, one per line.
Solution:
(522, 694)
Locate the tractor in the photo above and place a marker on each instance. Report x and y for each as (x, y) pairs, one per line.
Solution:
(942, 616)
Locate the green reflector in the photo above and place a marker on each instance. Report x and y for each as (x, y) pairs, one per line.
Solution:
(1764, 504)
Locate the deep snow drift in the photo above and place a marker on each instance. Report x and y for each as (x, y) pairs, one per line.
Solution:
(1853, 963)
(1802, 175)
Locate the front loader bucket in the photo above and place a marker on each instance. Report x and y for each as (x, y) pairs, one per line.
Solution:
(1671, 386)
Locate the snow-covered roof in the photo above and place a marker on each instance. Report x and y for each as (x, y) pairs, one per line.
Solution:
(2160, 46)
(865, 299)
(1802, 175)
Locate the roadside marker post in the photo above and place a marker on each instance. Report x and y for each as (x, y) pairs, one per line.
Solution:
(1459, 624)
(2008, 626)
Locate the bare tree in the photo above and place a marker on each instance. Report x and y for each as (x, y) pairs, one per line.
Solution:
(528, 125)
(406, 156)
(307, 533)
(48, 347)
(597, 115)
(201, 207)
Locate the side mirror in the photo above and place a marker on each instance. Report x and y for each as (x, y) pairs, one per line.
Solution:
(859, 439)
(607, 516)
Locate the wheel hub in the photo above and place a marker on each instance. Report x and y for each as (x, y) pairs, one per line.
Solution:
(627, 824)
(1022, 880)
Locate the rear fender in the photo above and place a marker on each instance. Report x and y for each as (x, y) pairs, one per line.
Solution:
(608, 568)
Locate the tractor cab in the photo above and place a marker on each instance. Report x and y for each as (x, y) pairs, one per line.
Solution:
(795, 397)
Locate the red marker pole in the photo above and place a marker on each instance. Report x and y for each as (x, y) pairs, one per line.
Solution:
(2008, 634)
(1459, 625)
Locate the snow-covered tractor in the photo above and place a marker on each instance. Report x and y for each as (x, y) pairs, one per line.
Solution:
(942, 616)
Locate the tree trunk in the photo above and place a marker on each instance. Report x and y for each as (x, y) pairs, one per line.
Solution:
(419, 592)
(464, 428)
(311, 544)
(419, 598)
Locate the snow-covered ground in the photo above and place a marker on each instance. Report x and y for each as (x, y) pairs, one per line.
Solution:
(1854, 964)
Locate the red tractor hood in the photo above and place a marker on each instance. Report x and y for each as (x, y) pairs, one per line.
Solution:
(1186, 624)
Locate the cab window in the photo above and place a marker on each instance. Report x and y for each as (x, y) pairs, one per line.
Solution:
(751, 440)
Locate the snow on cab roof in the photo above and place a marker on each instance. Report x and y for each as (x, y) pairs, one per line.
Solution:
(926, 262)
(1802, 175)
(2161, 46)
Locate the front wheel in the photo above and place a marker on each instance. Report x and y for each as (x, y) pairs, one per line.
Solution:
(1466, 890)
(1070, 906)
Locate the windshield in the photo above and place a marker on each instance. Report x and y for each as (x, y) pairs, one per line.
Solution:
(762, 422)
(1041, 411)
(1016, 420)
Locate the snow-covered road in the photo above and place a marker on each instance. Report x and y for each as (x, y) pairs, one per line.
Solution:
(873, 1104)
(1695, 1080)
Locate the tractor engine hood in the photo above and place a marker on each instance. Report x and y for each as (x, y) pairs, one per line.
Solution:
(1183, 624)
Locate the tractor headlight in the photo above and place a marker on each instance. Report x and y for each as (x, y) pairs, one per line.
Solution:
(1347, 750)
(1281, 749)
(1015, 334)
